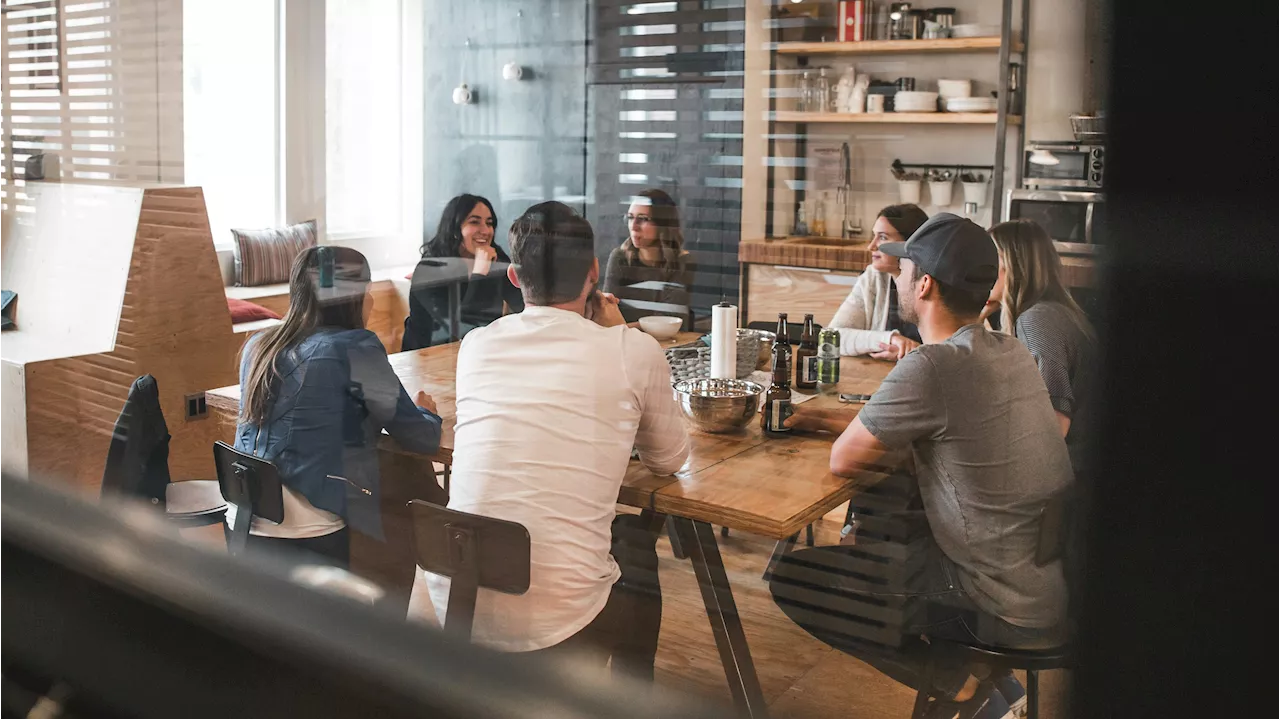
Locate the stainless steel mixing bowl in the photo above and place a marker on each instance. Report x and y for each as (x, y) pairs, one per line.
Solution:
(718, 405)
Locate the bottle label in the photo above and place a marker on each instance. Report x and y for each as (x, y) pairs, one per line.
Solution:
(779, 410)
(810, 369)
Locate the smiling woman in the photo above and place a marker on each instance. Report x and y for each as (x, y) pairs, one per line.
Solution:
(868, 320)
(466, 231)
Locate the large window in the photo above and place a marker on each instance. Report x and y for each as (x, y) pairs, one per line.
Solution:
(366, 129)
(231, 112)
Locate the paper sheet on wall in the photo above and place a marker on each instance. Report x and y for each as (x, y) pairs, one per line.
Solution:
(825, 174)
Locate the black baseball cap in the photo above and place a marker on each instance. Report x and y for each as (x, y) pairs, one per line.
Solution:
(952, 250)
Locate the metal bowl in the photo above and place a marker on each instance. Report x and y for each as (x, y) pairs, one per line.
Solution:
(718, 405)
(766, 345)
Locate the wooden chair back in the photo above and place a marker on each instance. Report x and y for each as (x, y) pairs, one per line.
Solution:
(474, 552)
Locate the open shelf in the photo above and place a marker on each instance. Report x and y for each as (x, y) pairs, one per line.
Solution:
(896, 118)
(889, 47)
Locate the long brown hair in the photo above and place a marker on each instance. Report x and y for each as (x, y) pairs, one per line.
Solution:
(310, 308)
(666, 217)
(1033, 274)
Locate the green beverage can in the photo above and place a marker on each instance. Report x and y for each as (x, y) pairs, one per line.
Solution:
(828, 360)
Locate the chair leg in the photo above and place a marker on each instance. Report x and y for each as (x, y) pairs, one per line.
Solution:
(724, 532)
(1033, 694)
(921, 707)
(781, 548)
(808, 535)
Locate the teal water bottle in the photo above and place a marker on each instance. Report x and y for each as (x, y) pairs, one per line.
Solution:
(326, 266)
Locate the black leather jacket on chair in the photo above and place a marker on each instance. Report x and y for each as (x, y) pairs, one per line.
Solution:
(138, 459)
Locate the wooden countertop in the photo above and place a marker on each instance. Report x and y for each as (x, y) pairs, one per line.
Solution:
(826, 253)
(829, 253)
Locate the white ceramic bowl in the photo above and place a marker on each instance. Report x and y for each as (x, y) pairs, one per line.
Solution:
(661, 328)
(975, 30)
(948, 89)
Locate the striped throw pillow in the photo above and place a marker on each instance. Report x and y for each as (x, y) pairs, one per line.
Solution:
(263, 257)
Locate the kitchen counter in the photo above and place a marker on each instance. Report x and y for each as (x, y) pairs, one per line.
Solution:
(824, 253)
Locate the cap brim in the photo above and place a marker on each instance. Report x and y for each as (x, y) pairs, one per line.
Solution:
(894, 249)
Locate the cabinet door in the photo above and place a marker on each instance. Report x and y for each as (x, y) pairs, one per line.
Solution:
(796, 291)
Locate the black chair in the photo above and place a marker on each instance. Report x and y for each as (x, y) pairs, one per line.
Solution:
(253, 485)
(473, 552)
(1052, 545)
(138, 463)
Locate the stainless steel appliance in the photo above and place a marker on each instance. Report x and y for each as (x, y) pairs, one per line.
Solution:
(1075, 220)
(1064, 165)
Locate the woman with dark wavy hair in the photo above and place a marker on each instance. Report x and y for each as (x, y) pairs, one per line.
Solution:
(652, 253)
(466, 230)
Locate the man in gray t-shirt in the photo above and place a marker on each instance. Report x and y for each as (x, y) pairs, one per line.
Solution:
(988, 456)
(970, 409)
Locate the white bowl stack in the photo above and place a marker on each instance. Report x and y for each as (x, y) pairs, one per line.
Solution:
(971, 104)
(915, 101)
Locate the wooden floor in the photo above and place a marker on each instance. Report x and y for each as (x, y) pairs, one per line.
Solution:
(800, 676)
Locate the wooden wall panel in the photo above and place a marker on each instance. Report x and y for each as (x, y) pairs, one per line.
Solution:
(173, 324)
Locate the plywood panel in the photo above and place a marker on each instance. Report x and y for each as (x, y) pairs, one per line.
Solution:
(797, 292)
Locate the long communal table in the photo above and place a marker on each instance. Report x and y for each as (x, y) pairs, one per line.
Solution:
(742, 481)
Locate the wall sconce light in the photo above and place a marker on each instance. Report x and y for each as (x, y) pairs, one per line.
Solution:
(512, 71)
(462, 95)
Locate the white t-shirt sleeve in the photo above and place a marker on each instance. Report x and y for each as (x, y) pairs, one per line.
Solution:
(661, 439)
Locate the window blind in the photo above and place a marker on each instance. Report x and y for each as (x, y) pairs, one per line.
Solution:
(666, 81)
(99, 84)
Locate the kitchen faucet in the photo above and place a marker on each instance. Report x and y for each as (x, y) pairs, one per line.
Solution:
(847, 227)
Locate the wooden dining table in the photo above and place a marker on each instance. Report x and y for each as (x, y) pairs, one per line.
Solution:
(741, 481)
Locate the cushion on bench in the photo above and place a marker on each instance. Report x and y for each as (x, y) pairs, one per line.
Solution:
(245, 311)
(264, 257)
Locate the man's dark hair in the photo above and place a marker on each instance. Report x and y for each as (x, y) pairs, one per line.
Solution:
(961, 303)
(553, 248)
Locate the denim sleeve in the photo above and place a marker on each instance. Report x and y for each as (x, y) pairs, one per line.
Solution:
(386, 400)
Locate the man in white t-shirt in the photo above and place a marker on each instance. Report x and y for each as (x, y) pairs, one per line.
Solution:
(551, 402)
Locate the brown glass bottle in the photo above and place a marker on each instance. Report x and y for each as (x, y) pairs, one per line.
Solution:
(806, 359)
(782, 336)
(777, 399)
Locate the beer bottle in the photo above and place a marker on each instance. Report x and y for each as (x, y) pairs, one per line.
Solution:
(783, 338)
(807, 356)
(777, 400)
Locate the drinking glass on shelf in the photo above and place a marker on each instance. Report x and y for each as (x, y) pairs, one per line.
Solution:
(804, 96)
(822, 92)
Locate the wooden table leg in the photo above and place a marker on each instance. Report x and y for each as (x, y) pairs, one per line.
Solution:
(676, 549)
(699, 540)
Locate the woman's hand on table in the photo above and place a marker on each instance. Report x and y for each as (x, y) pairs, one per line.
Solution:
(602, 308)
(812, 419)
(423, 400)
(896, 348)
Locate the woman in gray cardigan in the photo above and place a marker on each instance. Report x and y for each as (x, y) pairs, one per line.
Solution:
(868, 319)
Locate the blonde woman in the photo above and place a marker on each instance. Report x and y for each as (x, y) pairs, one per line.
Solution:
(653, 252)
(1036, 308)
(868, 319)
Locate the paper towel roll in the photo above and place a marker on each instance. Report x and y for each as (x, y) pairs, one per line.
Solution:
(724, 341)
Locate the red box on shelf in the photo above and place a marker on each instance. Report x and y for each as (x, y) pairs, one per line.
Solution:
(853, 21)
